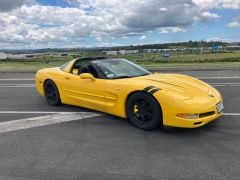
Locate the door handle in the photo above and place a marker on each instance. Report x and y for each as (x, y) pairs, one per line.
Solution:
(67, 78)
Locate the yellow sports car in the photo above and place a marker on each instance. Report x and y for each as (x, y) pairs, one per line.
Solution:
(121, 88)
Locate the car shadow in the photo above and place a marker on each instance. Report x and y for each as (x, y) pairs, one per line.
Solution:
(125, 123)
(212, 126)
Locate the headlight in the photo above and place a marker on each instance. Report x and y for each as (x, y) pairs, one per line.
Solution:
(187, 115)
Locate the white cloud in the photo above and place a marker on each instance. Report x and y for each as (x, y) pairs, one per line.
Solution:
(209, 4)
(234, 24)
(232, 39)
(48, 25)
(207, 15)
(166, 30)
(214, 39)
(142, 37)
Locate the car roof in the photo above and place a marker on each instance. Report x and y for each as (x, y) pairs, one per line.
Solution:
(92, 58)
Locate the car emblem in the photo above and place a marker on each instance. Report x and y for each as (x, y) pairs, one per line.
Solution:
(211, 95)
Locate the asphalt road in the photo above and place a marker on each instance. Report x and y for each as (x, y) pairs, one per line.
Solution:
(81, 144)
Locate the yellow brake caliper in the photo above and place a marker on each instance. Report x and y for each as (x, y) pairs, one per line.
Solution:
(135, 108)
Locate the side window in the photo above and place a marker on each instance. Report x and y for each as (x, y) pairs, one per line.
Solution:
(83, 67)
(76, 68)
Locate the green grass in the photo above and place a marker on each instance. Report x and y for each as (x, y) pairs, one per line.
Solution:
(206, 66)
(34, 67)
(185, 58)
(204, 61)
(26, 66)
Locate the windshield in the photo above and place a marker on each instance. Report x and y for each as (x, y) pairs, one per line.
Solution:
(120, 68)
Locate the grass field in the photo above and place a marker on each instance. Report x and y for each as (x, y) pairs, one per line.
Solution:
(185, 58)
(206, 60)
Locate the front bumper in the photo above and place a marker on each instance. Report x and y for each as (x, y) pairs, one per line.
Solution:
(191, 123)
(204, 105)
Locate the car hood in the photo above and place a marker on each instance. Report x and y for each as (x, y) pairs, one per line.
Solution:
(175, 82)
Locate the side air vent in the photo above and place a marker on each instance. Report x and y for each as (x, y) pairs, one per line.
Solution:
(202, 115)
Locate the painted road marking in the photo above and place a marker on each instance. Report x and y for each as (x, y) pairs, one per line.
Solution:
(34, 86)
(218, 83)
(17, 85)
(66, 113)
(199, 77)
(16, 79)
(36, 112)
(224, 84)
(27, 123)
(231, 114)
(57, 117)
(230, 77)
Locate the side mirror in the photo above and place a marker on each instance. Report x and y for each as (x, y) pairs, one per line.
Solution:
(87, 76)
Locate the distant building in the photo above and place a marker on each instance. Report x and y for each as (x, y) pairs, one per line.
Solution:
(234, 47)
(3, 55)
(150, 50)
(132, 52)
(64, 54)
(111, 52)
(164, 50)
(18, 56)
(122, 52)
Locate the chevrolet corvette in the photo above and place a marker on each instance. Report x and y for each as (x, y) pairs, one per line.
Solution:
(122, 88)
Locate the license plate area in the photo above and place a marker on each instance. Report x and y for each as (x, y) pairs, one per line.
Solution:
(219, 107)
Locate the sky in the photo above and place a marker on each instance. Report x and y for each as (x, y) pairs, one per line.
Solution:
(32, 24)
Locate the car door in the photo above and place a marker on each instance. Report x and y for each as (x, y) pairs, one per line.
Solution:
(85, 92)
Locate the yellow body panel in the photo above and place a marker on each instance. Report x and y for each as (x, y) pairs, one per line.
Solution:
(177, 94)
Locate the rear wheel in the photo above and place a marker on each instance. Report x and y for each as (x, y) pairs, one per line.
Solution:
(52, 93)
(144, 111)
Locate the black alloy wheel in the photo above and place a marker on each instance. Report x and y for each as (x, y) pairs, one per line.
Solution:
(51, 93)
(144, 111)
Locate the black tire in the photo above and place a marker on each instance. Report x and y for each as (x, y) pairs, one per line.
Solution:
(144, 111)
(51, 93)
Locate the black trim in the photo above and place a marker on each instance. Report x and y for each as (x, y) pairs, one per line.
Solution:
(148, 88)
(154, 90)
(91, 58)
(99, 72)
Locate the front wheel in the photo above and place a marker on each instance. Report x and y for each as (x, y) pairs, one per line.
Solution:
(144, 111)
(51, 93)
